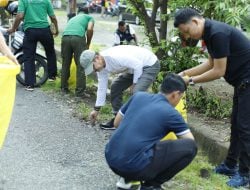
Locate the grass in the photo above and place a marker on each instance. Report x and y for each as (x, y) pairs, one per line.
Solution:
(61, 12)
(188, 179)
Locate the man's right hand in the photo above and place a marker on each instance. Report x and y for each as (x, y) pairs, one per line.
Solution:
(10, 31)
(93, 116)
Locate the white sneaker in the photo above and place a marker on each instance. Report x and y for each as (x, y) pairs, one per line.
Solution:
(121, 183)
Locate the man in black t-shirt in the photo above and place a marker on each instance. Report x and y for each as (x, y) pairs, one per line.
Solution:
(229, 57)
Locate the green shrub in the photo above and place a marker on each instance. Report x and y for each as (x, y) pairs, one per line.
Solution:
(208, 104)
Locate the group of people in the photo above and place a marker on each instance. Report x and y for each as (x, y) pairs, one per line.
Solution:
(135, 150)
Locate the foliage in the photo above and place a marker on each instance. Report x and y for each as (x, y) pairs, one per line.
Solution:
(232, 12)
(191, 179)
(208, 104)
(176, 59)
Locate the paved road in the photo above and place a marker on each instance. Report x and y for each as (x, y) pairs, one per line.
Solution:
(47, 148)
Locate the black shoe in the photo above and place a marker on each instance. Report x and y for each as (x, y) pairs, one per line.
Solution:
(65, 91)
(29, 88)
(52, 79)
(82, 95)
(151, 188)
(109, 125)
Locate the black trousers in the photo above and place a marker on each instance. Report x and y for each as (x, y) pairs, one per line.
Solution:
(240, 129)
(170, 157)
(45, 37)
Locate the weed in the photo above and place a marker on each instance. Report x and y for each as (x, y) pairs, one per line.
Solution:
(208, 104)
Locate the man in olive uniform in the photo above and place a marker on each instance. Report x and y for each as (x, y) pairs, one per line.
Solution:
(76, 38)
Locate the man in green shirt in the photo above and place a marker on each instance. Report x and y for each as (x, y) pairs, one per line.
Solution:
(36, 27)
(76, 38)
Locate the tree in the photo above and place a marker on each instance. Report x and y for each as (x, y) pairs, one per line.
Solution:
(139, 8)
(232, 12)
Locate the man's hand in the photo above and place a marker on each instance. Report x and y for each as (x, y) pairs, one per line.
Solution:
(12, 58)
(93, 116)
(131, 89)
(182, 74)
(186, 79)
(10, 30)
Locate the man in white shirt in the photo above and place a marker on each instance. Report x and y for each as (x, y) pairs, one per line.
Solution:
(125, 35)
(138, 68)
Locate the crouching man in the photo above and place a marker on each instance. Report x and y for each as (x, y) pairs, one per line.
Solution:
(135, 150)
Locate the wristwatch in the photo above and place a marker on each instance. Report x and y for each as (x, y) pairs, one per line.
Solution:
(190, 81)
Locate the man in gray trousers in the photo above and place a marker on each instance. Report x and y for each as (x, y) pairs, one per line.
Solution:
(138, 68)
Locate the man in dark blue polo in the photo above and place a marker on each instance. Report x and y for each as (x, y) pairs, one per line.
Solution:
(229, 57)
(135, 150)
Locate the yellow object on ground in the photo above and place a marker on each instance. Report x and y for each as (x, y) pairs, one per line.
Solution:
(72, 78)
(3, 3)
(169, 136)
(8, 72)
(181, 107)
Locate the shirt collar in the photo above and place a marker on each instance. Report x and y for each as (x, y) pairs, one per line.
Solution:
(206, 28)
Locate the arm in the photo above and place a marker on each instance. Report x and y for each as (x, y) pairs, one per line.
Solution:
(199, 69)
(121, 112)
(18, 19)
(135, 38)
(132, 32)
(188, 135)
(54, 21)
(6, 50)
(116, 40)
(220, 53)
(90, 31)
(101, 94)
(118, 119)
(216, 72)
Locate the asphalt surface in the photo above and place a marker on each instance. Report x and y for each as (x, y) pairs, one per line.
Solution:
(47, 148)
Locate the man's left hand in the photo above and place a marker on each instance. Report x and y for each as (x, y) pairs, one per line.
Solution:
(131, 89)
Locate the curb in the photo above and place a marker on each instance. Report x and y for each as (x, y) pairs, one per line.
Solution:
(212, 142)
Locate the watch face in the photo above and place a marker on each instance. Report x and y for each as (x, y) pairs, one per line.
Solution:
(190, 81)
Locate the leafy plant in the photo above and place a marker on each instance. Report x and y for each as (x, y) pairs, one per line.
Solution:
(176, 59)
(208, 104)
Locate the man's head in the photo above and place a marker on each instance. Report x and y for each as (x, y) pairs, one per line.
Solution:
(83, 9)
(173, 86)
(91, 61)
(190, 23)
(122, 26)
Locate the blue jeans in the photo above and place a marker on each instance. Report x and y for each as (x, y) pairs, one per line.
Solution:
(45, 37)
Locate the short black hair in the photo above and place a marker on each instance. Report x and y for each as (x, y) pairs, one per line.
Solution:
(184, 15)
(121, 23)
(173, 82)
(83, 9)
